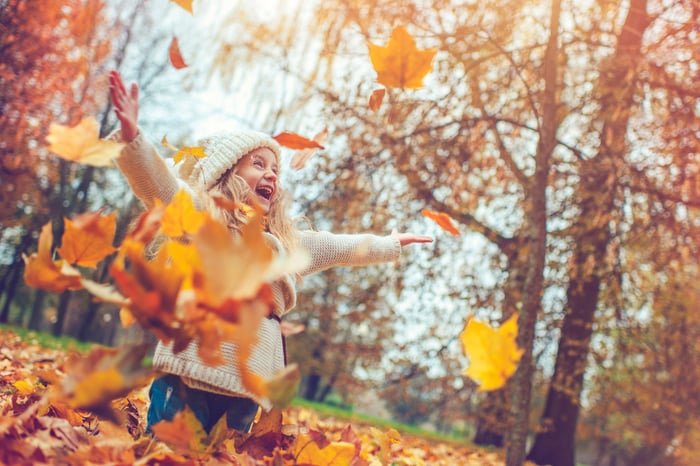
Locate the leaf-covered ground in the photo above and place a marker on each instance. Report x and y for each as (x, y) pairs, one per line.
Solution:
(38, 426)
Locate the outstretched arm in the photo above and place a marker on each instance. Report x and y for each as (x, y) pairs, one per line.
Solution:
(410, 238)
(334, 250)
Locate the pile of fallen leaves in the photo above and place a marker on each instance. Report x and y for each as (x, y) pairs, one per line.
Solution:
(39, 426)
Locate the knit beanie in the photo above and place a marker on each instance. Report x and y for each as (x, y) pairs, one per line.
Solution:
(222, 151)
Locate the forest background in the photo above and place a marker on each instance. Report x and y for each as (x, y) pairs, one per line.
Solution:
(561, 137)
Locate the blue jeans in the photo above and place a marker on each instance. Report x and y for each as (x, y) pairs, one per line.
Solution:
(169, 395)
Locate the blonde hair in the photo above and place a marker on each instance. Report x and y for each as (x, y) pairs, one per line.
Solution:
(234, 188)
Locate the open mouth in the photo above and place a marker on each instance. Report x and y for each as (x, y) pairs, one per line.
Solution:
(265, 192)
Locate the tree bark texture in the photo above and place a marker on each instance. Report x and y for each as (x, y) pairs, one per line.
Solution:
(555, 442)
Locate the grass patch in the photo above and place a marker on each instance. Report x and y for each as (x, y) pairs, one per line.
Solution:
(385, 424)
(47, 340)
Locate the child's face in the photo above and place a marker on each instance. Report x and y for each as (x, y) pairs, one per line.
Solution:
(259, 169)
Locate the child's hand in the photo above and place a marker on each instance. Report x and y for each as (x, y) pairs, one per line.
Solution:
(126, 105)
(409, 238)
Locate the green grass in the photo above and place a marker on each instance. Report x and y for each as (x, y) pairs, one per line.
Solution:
(47, 340)
(350, 416)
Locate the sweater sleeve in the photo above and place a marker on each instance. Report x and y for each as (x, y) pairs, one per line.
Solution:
(335, 250)
(146, 172)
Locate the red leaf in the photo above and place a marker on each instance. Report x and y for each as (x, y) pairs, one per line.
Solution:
(175, 56)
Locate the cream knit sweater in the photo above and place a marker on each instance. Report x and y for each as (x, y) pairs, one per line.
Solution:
(151, 178)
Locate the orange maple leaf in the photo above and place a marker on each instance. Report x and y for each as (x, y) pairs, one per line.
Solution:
(295, 141)
(175, 56)
(400, 63)
(300, 158)
(442, 219)
(493, 353)
(88, 239)
(41, 271)
(81, 143)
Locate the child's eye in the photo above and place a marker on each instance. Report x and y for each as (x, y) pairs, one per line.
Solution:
(258, 163)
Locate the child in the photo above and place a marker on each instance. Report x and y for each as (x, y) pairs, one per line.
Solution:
(244, 167)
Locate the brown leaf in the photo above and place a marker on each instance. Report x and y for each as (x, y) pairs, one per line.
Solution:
(175, 56)
(375, 100)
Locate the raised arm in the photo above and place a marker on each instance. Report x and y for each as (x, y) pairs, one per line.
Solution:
(126, 105)
(145, 170)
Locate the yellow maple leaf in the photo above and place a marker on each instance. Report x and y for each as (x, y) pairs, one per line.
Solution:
(81, 143)
(493, 353)
(194, 152)
(400, 63)
(88, 238)
(180, 217)
(307, 451)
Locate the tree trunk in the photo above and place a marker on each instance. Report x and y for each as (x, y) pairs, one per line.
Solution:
(492, 419)
(555, 442)
(61, 313)
(536, 191)
(313, 381)
(37, 308)
(15, 273)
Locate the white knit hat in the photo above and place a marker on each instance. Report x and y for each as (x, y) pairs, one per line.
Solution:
(224, 150)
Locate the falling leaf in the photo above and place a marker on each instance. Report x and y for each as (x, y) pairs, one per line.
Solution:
(442, 219)
(307, 451)
(376, 99)
(195, 152)
(493, 353)
(294, 141)
(180, 217)
(88, 239)
(41, 271)
(81, 143)
(175, 56)
(104, 374)
(282, 387)
(400, 63)
(300, 157)
(104, 293)
(185, 4)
